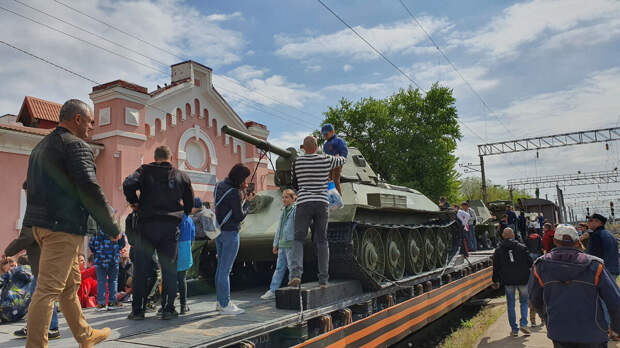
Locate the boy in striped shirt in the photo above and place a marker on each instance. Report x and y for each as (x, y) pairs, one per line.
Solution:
(311, 173)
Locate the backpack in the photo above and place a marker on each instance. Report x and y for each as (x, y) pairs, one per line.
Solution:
(208, 224)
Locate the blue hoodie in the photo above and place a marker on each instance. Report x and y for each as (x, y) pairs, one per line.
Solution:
(188, 232)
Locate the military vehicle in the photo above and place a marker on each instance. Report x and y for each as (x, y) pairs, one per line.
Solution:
(486, 225)
(383, 233)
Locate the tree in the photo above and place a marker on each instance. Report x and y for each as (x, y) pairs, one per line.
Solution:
(408, 139)
(471, 189)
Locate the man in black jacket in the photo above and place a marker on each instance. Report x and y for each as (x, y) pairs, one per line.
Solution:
(62, 193)
(511, 268)
(162, 187)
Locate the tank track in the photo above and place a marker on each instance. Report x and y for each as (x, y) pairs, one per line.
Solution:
(350, 253)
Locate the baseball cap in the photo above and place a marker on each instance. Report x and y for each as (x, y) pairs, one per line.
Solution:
(327, 128)
(197, 203)
(599, 217)
(565, 231)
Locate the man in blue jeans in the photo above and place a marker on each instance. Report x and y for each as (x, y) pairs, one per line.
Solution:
(511, 268)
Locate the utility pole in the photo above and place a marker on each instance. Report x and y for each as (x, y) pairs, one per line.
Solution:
(484, 180)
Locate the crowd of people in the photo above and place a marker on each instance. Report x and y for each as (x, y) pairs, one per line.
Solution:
(163, 235)
(572, 288)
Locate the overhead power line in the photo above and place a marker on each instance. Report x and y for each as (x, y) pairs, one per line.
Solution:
(471, 88)
(612, 176)
(58, 66)
(51, 63)
(388, 60)
(155, 46)
(91, 33)
(143, 64)
(119, 30)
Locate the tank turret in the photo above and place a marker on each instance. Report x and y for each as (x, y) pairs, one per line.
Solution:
(283, 177)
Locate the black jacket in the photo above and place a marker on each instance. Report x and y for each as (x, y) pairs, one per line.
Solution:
(232, 202)
(511, 263)
(62, 187)
(161, 187)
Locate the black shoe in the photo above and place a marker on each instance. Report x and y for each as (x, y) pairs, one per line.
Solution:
(21, 333)
(184, 309)
(167, 315)
(160, 310)
(53, 334)
(136, 316)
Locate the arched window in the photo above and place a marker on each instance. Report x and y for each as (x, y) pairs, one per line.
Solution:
(147, 130)
(168, 119)
(197, 107)
(205, 114)
(179, 115)
(188, 110)
(158, 128)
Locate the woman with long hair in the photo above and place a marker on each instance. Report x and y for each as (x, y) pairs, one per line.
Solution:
(232, 202)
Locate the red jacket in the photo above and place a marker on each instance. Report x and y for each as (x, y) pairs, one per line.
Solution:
(547, 240)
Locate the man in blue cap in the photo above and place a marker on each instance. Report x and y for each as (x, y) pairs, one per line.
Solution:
(334, 146)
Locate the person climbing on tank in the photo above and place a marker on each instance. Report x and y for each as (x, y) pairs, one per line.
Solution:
(334, 146)
(282, 243)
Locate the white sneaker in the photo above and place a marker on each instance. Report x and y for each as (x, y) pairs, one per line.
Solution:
(218, 306)
(232, 309)
(268, 295)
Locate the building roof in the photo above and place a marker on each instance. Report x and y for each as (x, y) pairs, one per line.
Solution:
(39, 109)
(27, 130)
(192, 61)
(121, 83)
(175, 83)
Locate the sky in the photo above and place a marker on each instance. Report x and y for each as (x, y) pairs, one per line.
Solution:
(536, 67)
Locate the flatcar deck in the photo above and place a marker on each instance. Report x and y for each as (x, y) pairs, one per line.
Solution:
(204, 327)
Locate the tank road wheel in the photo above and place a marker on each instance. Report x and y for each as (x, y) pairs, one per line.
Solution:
(372, 254)
(356, 244)
(442, 247)
(414, 251)
(430, 249)
(395, 254)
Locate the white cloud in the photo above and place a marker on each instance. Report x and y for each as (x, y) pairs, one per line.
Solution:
(314, 68)
(524, 23)
(585, 36)
(399, 37)
(347, 68)
(357, 88)
(217, 17)
(171, 25)
(286, 140)
(246, 72)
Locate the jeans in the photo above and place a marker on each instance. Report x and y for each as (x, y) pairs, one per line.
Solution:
(227, 245)
(283, 263)
(604, 306)
(558, 344)
(59, 278)
(523, 303)
(472, 242)
(54, 323)
(107, 276)
(311, 215)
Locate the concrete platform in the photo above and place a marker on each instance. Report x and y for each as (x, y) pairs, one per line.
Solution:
(498, 335)
(202, 326)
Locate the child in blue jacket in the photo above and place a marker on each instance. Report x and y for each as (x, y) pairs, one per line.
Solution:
(187, 231)
(106, 259)
(282, 243)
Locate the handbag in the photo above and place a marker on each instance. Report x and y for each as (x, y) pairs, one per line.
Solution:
(210, 224)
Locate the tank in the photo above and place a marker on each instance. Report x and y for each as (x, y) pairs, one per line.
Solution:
(486, 225)
(383, 233)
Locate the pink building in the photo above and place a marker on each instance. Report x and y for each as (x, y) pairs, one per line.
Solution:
(130, 123)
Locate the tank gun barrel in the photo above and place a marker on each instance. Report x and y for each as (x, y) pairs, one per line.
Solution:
(259, 143)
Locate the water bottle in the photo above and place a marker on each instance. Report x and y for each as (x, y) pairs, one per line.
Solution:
(335, 201)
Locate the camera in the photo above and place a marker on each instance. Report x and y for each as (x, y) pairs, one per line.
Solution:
(250, 189)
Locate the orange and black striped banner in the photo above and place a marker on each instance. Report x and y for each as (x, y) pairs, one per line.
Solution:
(392, 324)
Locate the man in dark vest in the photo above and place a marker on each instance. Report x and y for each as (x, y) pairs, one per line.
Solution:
(162, 189)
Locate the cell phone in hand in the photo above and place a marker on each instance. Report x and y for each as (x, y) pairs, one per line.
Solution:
(250, 189)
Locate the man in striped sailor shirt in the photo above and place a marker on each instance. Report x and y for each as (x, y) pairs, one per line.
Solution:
(311, 173)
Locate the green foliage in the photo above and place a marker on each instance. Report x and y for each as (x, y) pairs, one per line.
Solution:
(408, 139)
(471, 189)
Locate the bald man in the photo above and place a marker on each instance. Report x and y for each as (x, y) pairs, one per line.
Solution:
(310, 173)
(511, 268)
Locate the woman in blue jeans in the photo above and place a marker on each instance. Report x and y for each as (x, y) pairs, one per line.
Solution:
(232, 202)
